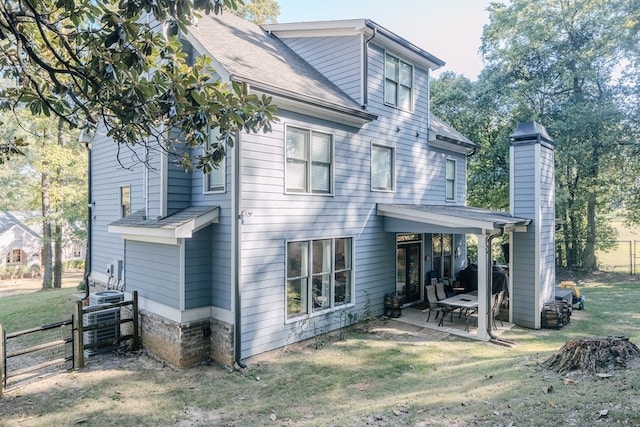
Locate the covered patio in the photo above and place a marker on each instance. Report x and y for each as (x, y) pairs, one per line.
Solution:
(485, 224)
(417, 316)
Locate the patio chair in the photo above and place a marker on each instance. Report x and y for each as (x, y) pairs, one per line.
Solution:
(495, 308)
(440, 292)
(471, 314)
(432, 301)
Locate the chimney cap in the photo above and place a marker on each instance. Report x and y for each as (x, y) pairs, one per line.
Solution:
(531, 130)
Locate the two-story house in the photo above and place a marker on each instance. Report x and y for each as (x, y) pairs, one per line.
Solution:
(357, 192)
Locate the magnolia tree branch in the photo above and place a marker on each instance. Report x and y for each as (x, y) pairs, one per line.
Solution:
(108, 61)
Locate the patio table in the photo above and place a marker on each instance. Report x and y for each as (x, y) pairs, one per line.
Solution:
(460, 301)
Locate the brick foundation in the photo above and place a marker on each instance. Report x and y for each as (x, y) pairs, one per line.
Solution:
(186, 344)
(181, 344)
(222, 342)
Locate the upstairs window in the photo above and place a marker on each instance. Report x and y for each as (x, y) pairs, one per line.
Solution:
(450, 185)
(382, 168)
(125, 201)
(398, 83)
(215, 179)
(309, 161)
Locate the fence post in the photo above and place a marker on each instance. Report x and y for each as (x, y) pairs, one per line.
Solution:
(79, 341)
(3, 359)
(136, 336)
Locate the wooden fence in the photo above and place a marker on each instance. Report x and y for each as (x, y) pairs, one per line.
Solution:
(71, 346)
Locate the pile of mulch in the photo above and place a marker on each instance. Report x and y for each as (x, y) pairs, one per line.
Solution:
(596, 354)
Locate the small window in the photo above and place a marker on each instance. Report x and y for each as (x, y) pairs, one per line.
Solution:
(215, 179)
(125, 201)
(319, 276)
(450, 186)
(382, 168)
(309, 161)
(15, 256)
(77, 252)
(398, 83)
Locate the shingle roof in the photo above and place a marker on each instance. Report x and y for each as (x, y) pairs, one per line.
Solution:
(27, 220)
(445, 132)
(249, 53)
(178, 225)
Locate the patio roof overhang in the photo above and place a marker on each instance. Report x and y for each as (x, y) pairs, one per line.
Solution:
(401, 218)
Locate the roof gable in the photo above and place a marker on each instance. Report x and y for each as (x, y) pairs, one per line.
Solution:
(249, 54)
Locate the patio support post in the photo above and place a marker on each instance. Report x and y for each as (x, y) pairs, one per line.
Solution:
(483, 273)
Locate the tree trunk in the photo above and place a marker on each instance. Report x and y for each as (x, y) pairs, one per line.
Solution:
(46, 231)
(57, 264)
(590, 262)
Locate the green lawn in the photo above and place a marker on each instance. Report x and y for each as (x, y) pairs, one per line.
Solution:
(35, 309)
(377, 374)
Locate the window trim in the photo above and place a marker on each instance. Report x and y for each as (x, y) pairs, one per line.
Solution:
(121, 202)
(393, 169)
(308, 311)
(449, 161)
(309, 162)
(206, 185)
(396, 103)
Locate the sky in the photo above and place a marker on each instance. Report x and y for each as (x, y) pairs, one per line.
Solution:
(448, 29)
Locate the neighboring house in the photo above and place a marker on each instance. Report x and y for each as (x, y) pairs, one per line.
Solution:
(357, 192)
(21, 241)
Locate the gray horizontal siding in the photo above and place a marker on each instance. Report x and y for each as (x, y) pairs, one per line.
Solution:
(277, 217)
(178, 188)
(154, 271)
(112, 168)
(220, 280)
(198, 269)
(337, 58)
(525, 311)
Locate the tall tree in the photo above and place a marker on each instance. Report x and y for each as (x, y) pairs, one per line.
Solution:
(55, 166)
(561, 61)
(259, 11)
(120, 63)
(478, 111)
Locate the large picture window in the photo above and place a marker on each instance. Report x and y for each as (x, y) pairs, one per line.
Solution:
(398, 83)
(309, 161)
(319, 275)
(450, 186)
(382, 168)
(214, 179)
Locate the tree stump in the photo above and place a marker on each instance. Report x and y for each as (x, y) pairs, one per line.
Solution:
(597, 354)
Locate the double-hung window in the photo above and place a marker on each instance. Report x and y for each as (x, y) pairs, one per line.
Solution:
(450, 180)
(215, 178)
(382, 168)
(398, 83)
(309, 161)
(319, 275)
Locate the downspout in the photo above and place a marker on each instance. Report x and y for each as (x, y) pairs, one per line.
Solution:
(365, 77)
(87, 268)
(489, 292)
(145, 180)
(237, 220)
